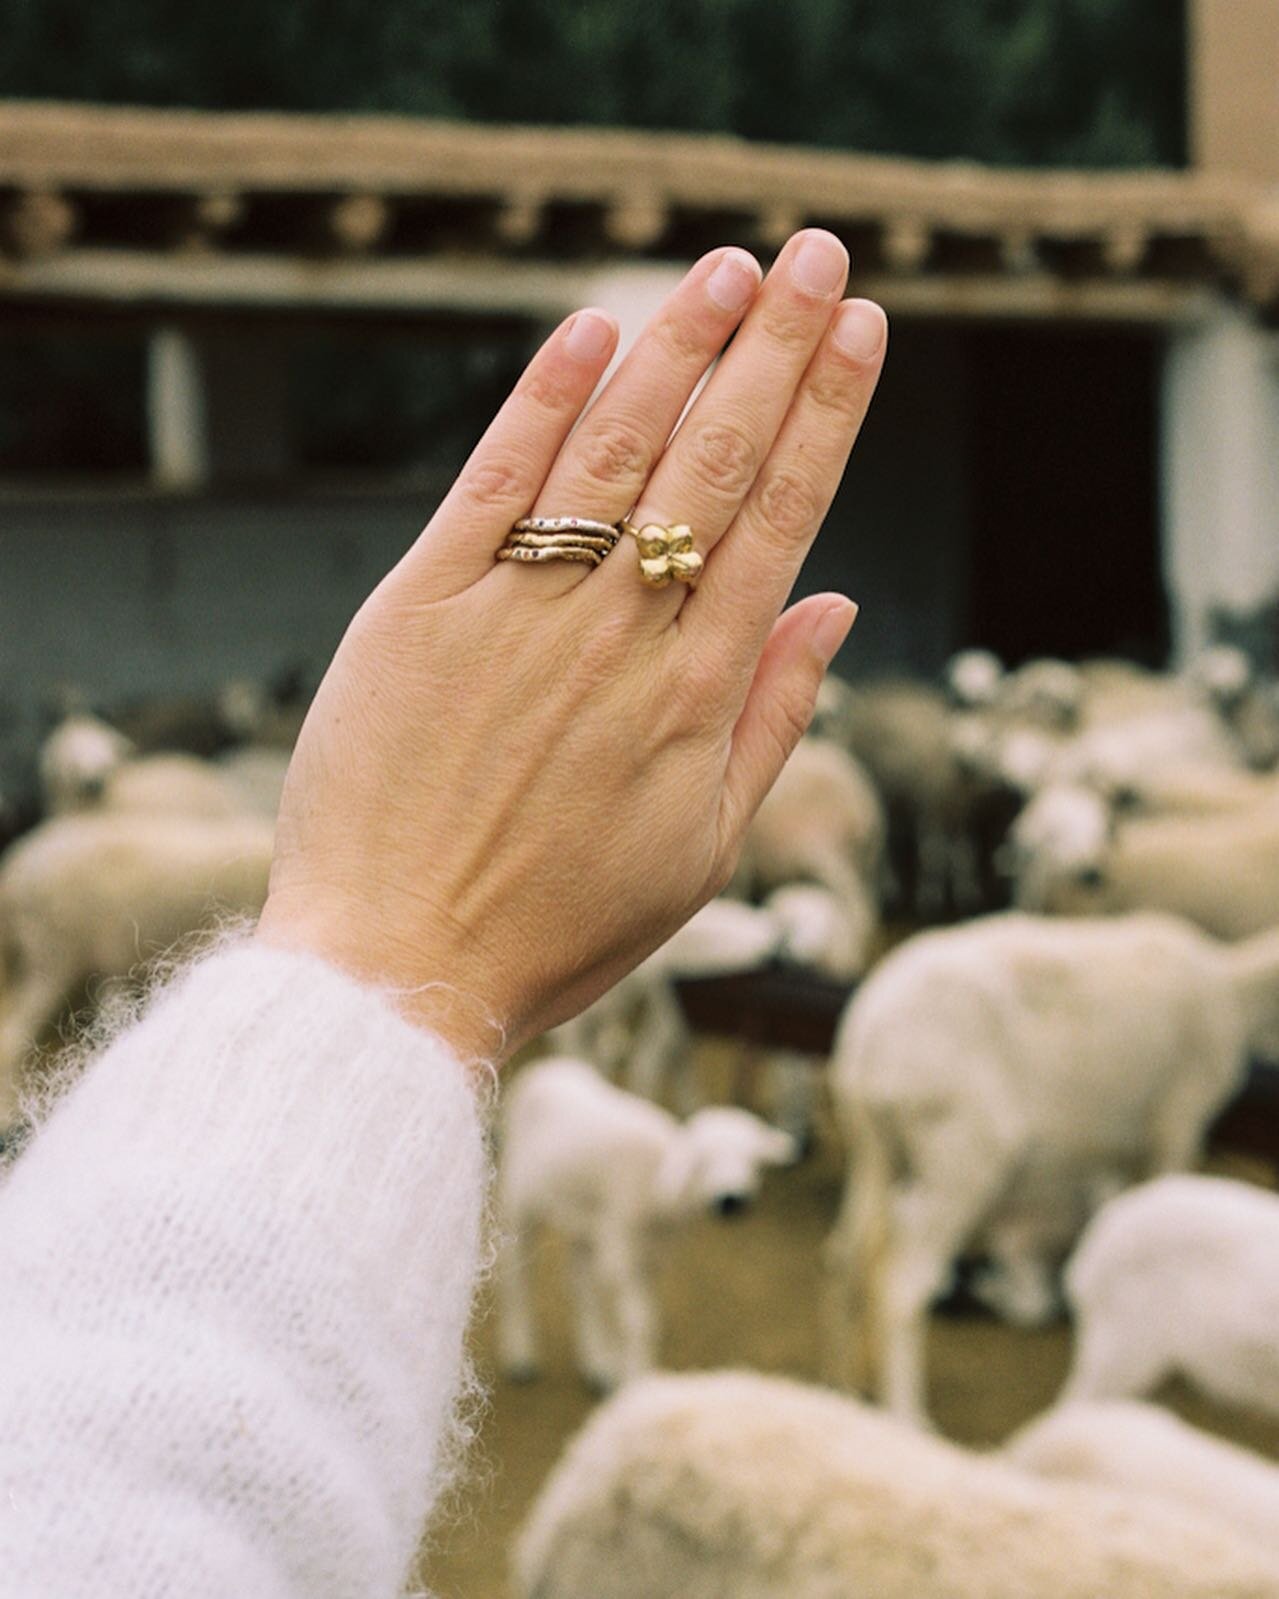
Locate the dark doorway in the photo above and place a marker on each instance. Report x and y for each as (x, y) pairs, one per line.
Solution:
(1065, 534)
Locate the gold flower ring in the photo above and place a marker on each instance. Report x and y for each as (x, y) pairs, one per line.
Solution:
(666, 553)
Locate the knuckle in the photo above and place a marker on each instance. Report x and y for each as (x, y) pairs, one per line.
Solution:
(725, 457)
(789, 505)
(834, 391)
(791, 323)
(494, 483)
(794, 713)
(545, 388)
(615, 453)
(686, 341)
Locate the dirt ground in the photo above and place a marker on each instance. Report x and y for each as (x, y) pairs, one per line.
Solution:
(744, 1293)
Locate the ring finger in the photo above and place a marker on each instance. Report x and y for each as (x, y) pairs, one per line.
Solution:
(710, 465)
(604, 465)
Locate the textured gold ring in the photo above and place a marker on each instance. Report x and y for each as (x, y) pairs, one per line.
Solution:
(538, 539)
(666, 553)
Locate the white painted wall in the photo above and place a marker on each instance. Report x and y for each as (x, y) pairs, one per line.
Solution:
(1220, 472)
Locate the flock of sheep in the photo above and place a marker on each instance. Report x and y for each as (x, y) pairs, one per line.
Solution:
(1027, 1088)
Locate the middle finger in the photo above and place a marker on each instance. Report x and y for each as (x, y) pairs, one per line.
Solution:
(711, 463)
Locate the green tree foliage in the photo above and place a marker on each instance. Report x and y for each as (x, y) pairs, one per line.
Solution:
(1095, 82)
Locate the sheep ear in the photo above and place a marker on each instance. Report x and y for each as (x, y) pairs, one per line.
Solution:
(674, 1176)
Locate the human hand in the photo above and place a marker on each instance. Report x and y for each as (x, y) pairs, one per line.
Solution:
(517, 780)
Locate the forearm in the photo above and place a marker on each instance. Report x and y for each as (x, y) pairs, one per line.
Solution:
(238, 1263)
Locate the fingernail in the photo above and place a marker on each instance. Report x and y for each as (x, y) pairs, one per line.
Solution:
(734, 280)
(832, 630)
(820, 265)
(589, 334)
(860, 329)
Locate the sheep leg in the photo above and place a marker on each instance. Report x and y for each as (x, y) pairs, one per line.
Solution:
(660, 1041)
(932, 873)
(516, 1332)
(792, 1093)
(594, 1363)
(965, 879)
(929, 1229)
(621, 1275)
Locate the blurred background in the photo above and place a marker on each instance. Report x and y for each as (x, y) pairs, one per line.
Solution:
(267, 268)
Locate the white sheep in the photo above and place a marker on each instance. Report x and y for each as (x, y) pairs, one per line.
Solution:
(86, 765)
(1180, 1277)
(902, 734)
(611, 1172)
(730, 1485)
(974, 678)
(994, 1082)
(255, 774)
(1127, 1444)
(1071, 855)
(638, 1026)
(822, 822)
(75, 761)
(94, 896)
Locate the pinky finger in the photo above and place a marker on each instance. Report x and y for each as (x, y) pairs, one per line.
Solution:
(508, 466)
(804, 641)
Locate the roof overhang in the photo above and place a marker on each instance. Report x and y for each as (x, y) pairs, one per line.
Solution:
(105, 209)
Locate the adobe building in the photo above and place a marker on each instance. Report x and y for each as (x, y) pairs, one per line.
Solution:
(1075, 448)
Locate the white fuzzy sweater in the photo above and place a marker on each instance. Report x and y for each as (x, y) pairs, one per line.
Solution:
(235, 1272)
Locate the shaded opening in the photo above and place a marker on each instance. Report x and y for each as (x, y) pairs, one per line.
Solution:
(1065, 531)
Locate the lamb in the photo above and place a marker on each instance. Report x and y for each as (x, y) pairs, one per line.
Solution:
(75, 761)
(994, 1082)
(98, 895)
(1070, 855)
(1140, 1447)
(87, 765)
(611, 1172)
(730, 1485)
(1179, 1277)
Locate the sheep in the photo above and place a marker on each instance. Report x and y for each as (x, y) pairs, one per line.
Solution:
(901, 733)
(974, 678)
(76, 760)
(1070, 855)
(255, 775)
(819, 936)
(731, 1485)
(1179, 1277)
(1135, 1446)
(994, 1082)
(639, 1022)
(611, 1172)
(87, 765)
(822, 822)
(97, 895)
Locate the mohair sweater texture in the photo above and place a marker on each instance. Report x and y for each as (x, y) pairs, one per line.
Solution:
(236, 1266)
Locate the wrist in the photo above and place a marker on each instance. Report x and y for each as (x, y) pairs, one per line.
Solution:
(423, 980)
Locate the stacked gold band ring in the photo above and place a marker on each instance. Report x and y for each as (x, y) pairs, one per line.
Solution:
(559, 538)
(666, 553)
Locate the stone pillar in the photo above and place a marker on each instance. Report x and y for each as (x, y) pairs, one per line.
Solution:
(176, 419)
(632, 294)
(217, 405)
(1220, 474)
